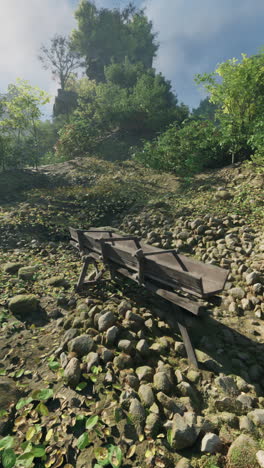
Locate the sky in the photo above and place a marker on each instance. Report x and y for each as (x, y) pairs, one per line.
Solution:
(194, 36)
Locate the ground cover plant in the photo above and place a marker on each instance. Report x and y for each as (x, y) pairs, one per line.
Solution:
(78, 391)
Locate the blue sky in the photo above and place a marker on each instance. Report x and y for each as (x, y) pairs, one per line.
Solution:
(193, 36)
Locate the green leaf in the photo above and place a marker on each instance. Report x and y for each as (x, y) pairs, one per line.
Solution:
(43, 394)
(23, 402)
(6, 443)
(83, 441)
(91, 422)
(81, 386)
(3, 413)
(102, 456)
(42, 409)
(2, 372)
(54, 365)
(25, 460)
(38, 451)
(19, 373)
(8, 458)
(115, 456)
(169, 436)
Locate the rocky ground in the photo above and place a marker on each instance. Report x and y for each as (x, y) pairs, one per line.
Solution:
(99, 378)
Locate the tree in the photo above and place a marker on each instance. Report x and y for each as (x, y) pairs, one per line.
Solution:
(112, 116)
(205, 111)
(60, 59)
(108, 36)
(238, 91)
(20, 119)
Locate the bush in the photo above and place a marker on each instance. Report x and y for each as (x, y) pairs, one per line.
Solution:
(184, 151)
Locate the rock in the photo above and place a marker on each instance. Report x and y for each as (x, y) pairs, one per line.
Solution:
(81, 345)
(257, 416)
(237, 293)
(146, 394)
(106, 321)
(253, 278)
(72, 372)
(132, 381)
(111, 335)
(69, 335)
(123, 361)
(184, 432)
(92, 360)
(162, 382)
(107, 355)
(260, 458)
(257, 288)
(126, 346)
(12, 268)
(211, 443)
(170, 404)
(244, 402)
(245, 424)
(143, 347)
(153, 424)
(242, 453)
(223, 195)
(227, 385)
(27, 273)
(145, 373)
(184, 463)
(179, 349)
(136, 411)
(57, 282)
(123, 307)
(63, 360)
(24, 304)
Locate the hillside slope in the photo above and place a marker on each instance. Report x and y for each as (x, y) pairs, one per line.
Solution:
(73, 393)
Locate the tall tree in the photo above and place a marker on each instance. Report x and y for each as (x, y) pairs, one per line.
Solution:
(60, 59)
(237, 89)
(21, 116)
(108, 36)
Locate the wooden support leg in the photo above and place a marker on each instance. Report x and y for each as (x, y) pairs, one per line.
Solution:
(83, 273)
(188, 345)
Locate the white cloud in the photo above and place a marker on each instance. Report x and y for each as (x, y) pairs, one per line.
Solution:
(24, 26)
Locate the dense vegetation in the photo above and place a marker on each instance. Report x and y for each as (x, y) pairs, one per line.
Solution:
(123, 108)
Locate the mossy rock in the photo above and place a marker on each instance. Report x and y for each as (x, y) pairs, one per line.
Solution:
(24, 304)
(242, 453)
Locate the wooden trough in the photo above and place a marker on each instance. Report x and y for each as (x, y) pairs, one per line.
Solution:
(164, 272)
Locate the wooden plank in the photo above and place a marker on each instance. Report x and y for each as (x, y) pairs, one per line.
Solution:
(188, 345)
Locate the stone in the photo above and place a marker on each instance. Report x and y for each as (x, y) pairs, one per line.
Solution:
(153, 424)
(123, 361)
(244, 402)
(184, 463)
(106, 321)
(27, 273)
(72, 372)
(81, 345)
(24, 304)
(242, 453)
(257, 288)
(69, 335)
(57, 282)
(146, 394)
(184, 432)
(257, 416)
(123, 307)
(227, 385)
(223, 195)
(162, 382)
(260, 458)
(136, 411)
(237, 293)
(211, 443)
(145, 373)
(12, 268)
(125, 345)
(253, 278)
(63, 360)
(107, 355)
(245, 424)
(92, 360)
(143, 347)
(111, 335)
(174, 406)
(179, 349)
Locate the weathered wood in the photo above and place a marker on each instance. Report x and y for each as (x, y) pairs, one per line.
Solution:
(188, 345)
